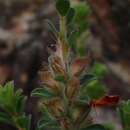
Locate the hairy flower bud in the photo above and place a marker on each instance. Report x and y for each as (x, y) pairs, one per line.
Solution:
(47, 79)
(72, 89)
(57, 66)
(55, 107)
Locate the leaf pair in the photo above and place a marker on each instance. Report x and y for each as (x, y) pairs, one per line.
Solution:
(64, 9)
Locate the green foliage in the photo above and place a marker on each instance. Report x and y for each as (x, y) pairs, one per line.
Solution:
(82, 13)
(95, 89)
(42, 93)
(47, 123)
(13, 103)
(10, 100)
(60, 78)
(70, 15)
(124, 111)
(99, 70)
(69, 110)
(78, 29)
(23, 122)
(62, 7)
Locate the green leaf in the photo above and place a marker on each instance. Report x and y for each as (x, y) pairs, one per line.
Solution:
(124, 111)
(95, 127)
(5, 118)
(42, 93)
(86, 78)
(82, 12)
(20, 101)
(62, 7)
(7, 97)
(24, 122)
(20, 104)
(70, 15)
(60, 78)
(95, 89)
(72, 39)
(99, 70)
(47, 123)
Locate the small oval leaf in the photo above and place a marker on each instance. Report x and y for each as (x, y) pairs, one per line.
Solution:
(70, 15)
(62, 6)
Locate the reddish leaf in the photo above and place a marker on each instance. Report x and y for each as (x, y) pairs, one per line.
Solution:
(105, 101)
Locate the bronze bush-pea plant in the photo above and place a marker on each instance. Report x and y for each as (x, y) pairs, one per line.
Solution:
(63, 102)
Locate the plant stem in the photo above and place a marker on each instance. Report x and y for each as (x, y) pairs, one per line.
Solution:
(63, 31)
(63, 39)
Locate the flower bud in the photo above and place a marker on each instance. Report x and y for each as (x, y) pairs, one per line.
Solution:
(55, 107)
(47, 79)
(57, 66)
(72, 89)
